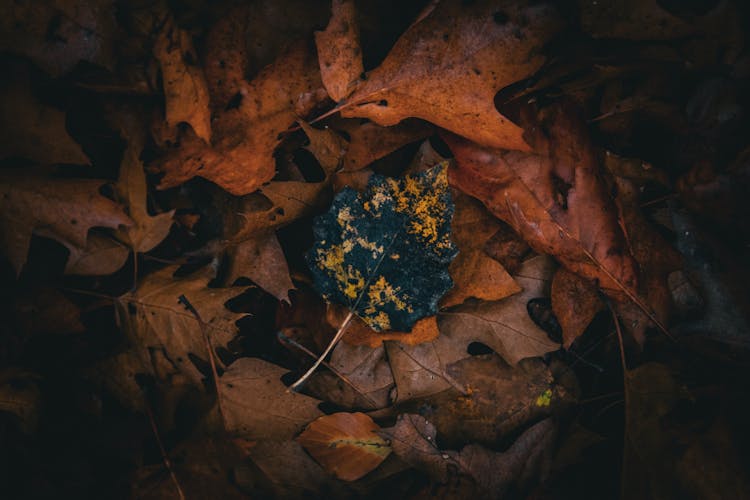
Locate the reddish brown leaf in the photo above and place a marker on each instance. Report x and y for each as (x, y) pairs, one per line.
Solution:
(345, 444)
(339, 52)
(262, 260)
(358, 333)
(574, 302)
(449, 65)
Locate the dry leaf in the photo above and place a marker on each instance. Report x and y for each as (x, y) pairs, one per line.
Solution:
(358, 333)
(262, 260)
(185, 88)
(63, 209)
(160, 320)
(345, 444)
(225, 63)
(575, 302)
(31, 129)
(339, 53)
(257, 404)
(449, 65)
(474, 273)
(147, 231)
(47, 310)
(504, 326)
(555, 201)
(369, 141)
(56, 35)
(20, 396)
(101, 256)
(240, 158)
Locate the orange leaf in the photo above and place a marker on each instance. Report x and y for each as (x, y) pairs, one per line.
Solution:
(345, 444)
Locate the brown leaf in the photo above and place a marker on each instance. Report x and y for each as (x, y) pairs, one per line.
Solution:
(147, 231)
(240, 159)
(574, 302)
(339, 53)
(257, 404)
(504, 326)
(101, 256)
(20, 396)
(474, 273)
(555, 201)
(359, 333)
(63, 209)
(159, 319)
(448, 66)
(413, 439)
(369, 141)
(56, 35)
(47, 310)
(185, 89)
(31, 129)
(345, 444)
(226, 61)
(262, 260)
(327, 146)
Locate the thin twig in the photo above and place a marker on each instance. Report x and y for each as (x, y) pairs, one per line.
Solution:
(209, 349)
(162, 450)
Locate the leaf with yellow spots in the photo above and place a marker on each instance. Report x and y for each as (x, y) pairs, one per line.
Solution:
(385, 253)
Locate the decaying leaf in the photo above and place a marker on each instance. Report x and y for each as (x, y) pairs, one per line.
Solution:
(413, 439)
(575, 302)
(360, 333)
(185, 89)
(63, 209)
(449, 65)
(339, 52)
(147, 231)
(257, 405)
(345, 444)
(31, 129)
(240, 158)
(504, 326)
(262, 260)
(57, 35)
(555, 200)
(46, 310)
(367, 244)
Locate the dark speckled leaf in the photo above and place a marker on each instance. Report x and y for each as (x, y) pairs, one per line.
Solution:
(385, 253)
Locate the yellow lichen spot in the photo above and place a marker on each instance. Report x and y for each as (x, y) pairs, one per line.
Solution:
(395, 256)
(345, 217)
(350, 280)
(379, 322)
(371, 246)
(381, 293)
(544, 398)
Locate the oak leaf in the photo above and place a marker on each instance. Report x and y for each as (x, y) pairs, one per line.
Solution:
(345, 444)
(257, 405)
(62, 209)
(448, 66)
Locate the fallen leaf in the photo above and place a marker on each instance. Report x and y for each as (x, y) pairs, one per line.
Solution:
(272, 412)
(226, 60)
(345, 444)
(359, 333)
(147, 231)
(413, 439)
(31, 129)
(160, 320)
(497, 400)
(449, 65)
(574, 302)
(550, 199)
(63, 209)
(364, 243)
(240, 158)
(475, 274)
(339, 53)
(101, 256)
(185, 89)
(46, 310)
(369, 141)
(57, 35)
(504, 326)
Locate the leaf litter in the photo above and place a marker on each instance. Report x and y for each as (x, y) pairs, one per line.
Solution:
(470, 227)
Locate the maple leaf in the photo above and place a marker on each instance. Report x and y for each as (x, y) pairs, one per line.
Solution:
(384, 253)
(448, 66)
(240, 157)
(62, 209)
(345, 444)
(185, 90)
(339, 52)
(30, 129)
